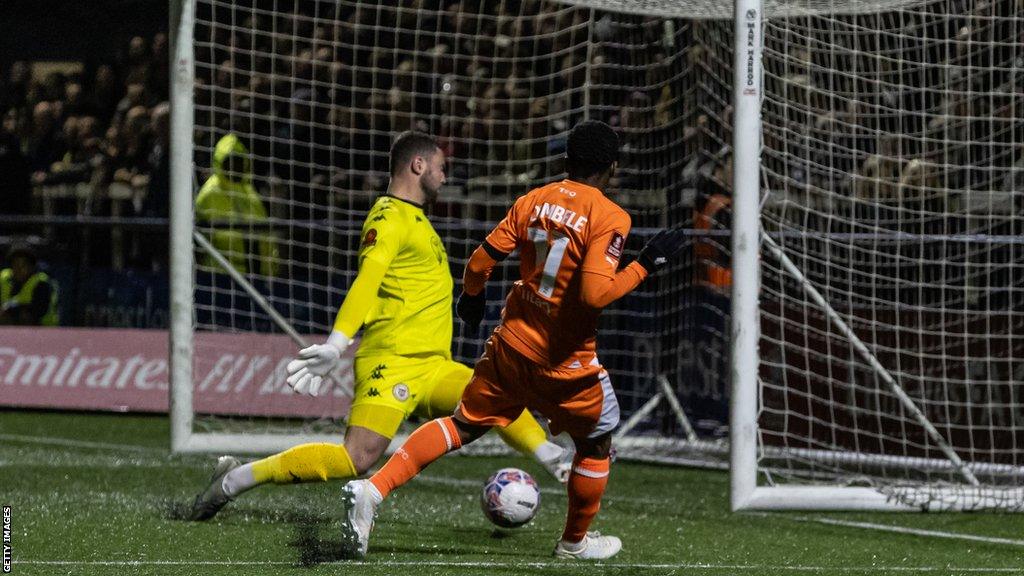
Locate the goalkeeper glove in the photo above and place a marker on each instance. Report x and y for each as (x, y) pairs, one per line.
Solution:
(661, 248)
(307, 372)
(471, 309)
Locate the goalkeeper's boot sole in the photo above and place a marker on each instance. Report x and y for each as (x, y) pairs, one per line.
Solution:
(593, 547)
(360, 510)
(211, 500)
(560, 466)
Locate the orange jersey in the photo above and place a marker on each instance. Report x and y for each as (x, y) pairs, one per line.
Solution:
(570, 239)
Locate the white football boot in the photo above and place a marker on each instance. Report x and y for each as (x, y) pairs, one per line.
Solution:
(361, 500)
(592, 547)
(560, 466)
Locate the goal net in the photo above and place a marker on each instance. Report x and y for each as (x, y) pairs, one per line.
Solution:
(891, 283)
(887, 165)
(294, 106)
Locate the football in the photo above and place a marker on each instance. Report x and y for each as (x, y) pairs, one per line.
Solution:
(510, 498)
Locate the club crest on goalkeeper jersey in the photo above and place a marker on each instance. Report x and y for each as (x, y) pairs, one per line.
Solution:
(560, 230)
(413, 313)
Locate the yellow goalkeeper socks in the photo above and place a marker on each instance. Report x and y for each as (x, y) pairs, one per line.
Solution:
(529, 439)
(305, 463)
(524, 435)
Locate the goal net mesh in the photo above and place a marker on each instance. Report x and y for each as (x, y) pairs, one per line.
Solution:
(891, 180)
(892, 172)
(892, 169)
(316, 91)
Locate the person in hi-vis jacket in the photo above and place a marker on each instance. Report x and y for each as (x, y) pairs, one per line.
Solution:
(28, 296)
(229, 204)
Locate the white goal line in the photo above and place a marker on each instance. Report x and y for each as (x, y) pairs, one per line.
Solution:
(903, 530)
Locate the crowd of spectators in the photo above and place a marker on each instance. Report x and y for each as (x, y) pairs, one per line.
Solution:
(318, 99)
(918, 145)
(83, 136)
(500, 84)
(930, 120)
(315, 90)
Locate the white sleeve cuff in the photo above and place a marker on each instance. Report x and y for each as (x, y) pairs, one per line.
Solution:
(339, 340)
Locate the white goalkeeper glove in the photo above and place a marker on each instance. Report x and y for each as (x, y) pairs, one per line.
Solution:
(307, 372)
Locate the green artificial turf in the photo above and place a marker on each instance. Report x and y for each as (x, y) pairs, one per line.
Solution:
(97, 494)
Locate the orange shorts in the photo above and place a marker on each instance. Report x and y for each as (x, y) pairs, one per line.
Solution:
(577, 399)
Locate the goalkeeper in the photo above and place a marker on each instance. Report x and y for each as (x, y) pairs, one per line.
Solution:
(402, 296)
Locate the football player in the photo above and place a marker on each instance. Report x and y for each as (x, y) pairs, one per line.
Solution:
(402, 299)
(570, 238)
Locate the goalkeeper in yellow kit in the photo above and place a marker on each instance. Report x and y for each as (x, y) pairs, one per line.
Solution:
(402, 297)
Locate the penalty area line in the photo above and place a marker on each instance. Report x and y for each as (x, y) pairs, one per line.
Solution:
(513, 564)
(906, 530)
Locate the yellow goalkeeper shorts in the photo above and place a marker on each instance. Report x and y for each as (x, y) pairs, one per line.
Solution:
(391, 388)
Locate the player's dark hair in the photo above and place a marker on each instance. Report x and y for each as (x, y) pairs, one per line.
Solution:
(409, 145)
(593, 147)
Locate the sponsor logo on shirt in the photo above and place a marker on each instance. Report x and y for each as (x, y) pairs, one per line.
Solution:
(530, 296)
(615, 246)
(371, 238)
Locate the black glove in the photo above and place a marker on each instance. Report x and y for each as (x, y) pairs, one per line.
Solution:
(471, 309)
(660, 249)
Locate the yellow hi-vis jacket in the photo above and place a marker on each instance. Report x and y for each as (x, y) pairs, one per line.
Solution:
(232, 202)
(24, 295)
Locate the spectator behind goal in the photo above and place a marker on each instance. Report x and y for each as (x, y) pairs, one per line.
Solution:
(228, 202)
(714, 212)
(28, 297)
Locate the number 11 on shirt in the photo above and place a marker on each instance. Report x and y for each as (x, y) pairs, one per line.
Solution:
(550, 254)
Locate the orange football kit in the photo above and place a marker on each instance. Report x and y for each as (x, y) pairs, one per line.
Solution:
(570, 239)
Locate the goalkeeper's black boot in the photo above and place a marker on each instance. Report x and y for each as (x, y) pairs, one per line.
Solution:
(211, 500)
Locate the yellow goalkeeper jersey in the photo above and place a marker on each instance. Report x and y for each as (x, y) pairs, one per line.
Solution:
(413, 312)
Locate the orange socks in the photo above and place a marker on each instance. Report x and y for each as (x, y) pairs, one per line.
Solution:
(438, 437)
(428, 443)
(586, 485)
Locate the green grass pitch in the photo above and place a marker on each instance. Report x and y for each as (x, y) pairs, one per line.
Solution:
(92, 494)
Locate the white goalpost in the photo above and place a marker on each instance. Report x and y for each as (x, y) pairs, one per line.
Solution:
(875, 346)
(746, 241)
(185, 240)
